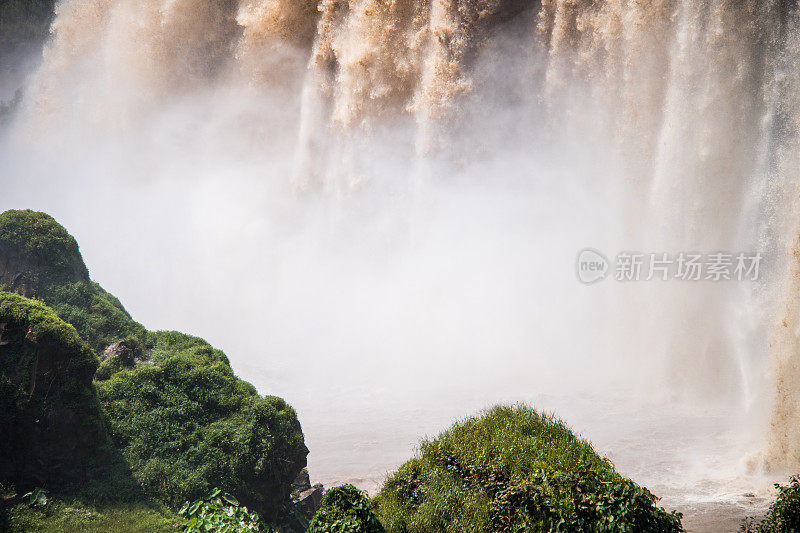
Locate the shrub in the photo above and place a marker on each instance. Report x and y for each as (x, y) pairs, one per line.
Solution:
(165, 344)
(98, 316)
(50, 419)
(185, 426)
(513, 469)
(784, 513)
(345, 509)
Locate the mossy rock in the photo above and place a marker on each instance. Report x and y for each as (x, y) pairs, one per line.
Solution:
(513, 469)
(180, 421)
(50, 418)
(186, 425)
(39, 258)
(120, 356)
(35, 250)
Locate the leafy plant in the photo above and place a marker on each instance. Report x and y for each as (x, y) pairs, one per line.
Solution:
(345, 509)
(220, 512)
(35, 498)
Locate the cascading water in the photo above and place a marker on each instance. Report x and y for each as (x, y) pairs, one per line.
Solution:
(397, 188)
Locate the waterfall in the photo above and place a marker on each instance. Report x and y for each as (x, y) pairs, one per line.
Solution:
(682, 117)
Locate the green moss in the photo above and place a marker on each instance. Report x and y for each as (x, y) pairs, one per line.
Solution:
(46, 327)
(345, 509)
(513, 469)
(111, 366)
(50, 418)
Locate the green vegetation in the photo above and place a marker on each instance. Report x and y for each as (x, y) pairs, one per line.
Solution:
(784, 513)
(186, 426)
(77, 517)
(164, 420)
(97, 315)
(513, 469)
(124, 354)
(165, 344)
(50, 417)
(35, 240)
(220, 512)
(345, 509)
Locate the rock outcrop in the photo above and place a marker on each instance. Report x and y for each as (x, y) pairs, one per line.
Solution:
(50, 418)
(179, 419)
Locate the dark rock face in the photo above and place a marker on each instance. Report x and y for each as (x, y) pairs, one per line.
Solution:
(50, 418)
(301, 482)
(309, 500)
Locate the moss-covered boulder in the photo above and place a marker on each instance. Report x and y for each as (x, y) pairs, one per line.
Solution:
(187, 426)
(37, 251)
(39, 258)
(51, 425)
(179, 420)
(513, 469)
